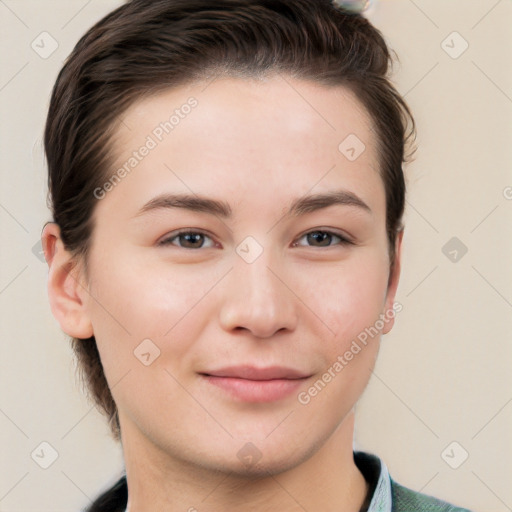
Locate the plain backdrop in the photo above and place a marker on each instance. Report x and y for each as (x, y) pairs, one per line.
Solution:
(438, 409)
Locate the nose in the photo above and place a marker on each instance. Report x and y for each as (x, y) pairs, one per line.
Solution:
(258, 298)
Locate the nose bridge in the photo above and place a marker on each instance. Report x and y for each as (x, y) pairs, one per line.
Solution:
(258, 299)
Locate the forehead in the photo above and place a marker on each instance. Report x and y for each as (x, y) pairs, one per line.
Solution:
(295, 107)
(239, 136)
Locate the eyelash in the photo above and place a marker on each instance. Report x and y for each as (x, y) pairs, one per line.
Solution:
(343, 240)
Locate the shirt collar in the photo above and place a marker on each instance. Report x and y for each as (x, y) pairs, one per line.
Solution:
(374, 468)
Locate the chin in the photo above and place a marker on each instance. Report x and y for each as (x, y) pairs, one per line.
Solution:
(265, 467)
(252, 462)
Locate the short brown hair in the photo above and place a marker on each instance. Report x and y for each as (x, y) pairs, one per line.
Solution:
(146, 46)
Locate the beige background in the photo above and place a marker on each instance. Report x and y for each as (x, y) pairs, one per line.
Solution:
(444, 371)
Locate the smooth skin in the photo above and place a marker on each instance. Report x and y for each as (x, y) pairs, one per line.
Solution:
(256, 145)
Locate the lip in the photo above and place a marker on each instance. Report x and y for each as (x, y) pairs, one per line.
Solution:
(252, 384)
(254, 373)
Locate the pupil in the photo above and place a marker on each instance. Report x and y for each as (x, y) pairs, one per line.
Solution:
(191, 237)
(319, 236)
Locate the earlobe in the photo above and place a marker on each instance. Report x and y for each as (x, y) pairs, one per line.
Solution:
(65, 291)
(393, 284)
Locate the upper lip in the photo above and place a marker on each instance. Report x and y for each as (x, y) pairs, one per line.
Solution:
(254, 373)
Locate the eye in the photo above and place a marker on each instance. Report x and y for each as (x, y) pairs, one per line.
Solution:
(321, 238)
(191, 240)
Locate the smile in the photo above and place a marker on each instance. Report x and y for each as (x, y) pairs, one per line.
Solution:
(250, 384)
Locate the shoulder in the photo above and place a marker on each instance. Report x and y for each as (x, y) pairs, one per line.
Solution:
(407, 500)
(112, 500)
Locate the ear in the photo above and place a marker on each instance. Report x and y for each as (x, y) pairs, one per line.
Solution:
(393, 283)
(65, 291)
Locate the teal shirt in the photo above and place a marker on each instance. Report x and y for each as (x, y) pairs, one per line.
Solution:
(386, 495)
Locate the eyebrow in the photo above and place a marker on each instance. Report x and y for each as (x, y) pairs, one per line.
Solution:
(300, 206)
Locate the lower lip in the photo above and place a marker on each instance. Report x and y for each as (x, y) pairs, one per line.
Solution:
(256, 390)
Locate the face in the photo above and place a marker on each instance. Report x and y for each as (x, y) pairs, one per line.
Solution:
(228, 316)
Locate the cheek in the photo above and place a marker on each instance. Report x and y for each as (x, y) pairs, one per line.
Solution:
(349, 298)
(135, 302)
(143, 297)
(350, 304)
(132, 301)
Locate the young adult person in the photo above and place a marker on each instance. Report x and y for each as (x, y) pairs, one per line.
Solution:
(227, 193)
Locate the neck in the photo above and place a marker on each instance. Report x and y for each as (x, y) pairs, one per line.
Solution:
(326, 480)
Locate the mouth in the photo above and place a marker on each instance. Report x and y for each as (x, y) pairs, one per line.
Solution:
(251, 384)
